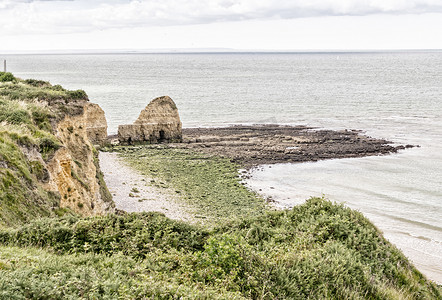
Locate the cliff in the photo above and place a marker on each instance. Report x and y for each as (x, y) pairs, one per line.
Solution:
(96, 124)
(48, 164)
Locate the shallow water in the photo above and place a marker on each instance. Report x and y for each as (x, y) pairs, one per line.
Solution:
(396, 96)
(404, 206)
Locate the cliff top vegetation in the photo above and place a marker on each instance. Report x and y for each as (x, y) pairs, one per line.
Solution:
(29, 111)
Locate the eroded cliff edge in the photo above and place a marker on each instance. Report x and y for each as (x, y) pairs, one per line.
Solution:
(48, 162)
(74, 170)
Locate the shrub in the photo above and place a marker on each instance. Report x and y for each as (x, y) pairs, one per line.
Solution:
(132, 234)
(290, 257)
(58, 87)
(48, 145)
(78, 94)
(14, 113)
(37, 83)
(18, 117)
(41, 118)
(4, 77)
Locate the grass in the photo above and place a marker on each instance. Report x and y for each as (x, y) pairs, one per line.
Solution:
(28, 111)
(30, 89)
(210, 184)
(22, 198)
(60, 100)
(318, 250)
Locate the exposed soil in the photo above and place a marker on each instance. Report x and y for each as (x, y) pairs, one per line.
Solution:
(269, 144)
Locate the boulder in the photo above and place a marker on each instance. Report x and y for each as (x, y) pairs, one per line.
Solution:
(159, 122)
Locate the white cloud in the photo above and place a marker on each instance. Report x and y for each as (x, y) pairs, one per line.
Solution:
(27, 16)
(335, 32)
(241, 24)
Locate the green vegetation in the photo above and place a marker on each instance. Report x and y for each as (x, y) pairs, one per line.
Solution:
(6, 76)
(210, 184)
(35, 89)
(26, 128)
(62, 101)
(21, 197)
(318, 250)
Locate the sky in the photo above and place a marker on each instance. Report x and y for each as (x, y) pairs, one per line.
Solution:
(284, 25)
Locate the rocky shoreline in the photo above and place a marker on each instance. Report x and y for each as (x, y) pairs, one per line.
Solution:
(269, 144)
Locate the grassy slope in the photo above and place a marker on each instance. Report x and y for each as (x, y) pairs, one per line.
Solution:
(317, 250)
(25, 125)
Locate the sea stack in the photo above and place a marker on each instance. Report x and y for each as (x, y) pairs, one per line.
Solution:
(159, 122)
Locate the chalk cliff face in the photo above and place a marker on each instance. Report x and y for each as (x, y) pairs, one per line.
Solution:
(96, 124)
(158, 122)
(47, 158)
(74, 170)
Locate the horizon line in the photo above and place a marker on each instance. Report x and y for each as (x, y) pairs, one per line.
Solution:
(205, 51)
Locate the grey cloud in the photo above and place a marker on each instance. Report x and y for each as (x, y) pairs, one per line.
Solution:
(83, 15)
(196, 11)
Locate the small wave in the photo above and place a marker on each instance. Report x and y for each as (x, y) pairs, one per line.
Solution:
(418, 223)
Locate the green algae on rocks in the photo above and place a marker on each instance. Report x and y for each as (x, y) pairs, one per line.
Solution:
(208, 183)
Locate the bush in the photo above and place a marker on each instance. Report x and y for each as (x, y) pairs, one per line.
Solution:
(4, 77)
(58, 87)
(78, 95)
(48, 145)
(318, 250)
(32, 89)
(14, 113)
(18, 117)
(37, 83)
(41, 118)
(132, 234)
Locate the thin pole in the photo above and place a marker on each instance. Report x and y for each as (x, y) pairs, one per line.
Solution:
(4, 65)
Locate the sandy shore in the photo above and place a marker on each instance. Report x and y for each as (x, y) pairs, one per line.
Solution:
(133, 192)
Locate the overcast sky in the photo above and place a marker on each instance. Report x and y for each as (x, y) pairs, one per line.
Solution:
(238, 24)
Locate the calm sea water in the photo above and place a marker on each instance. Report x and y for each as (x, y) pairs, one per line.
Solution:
(396, 96)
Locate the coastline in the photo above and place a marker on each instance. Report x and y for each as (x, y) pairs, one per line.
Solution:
(251, 146)
(243, 148)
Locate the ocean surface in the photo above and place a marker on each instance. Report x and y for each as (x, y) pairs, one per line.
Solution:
(395, 96)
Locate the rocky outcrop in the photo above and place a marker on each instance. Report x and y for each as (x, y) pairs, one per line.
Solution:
(158, 122)
(270, 144)
(74, 171)
(96, 125)
(47, 159)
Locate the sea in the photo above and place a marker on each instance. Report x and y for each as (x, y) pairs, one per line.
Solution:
(391, 95)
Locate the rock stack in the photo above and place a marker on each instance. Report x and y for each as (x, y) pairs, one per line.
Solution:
(159, 122)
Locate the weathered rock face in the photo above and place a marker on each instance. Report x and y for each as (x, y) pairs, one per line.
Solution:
(47, 160)
(96, 125)
(73, 170)
(158, 122)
